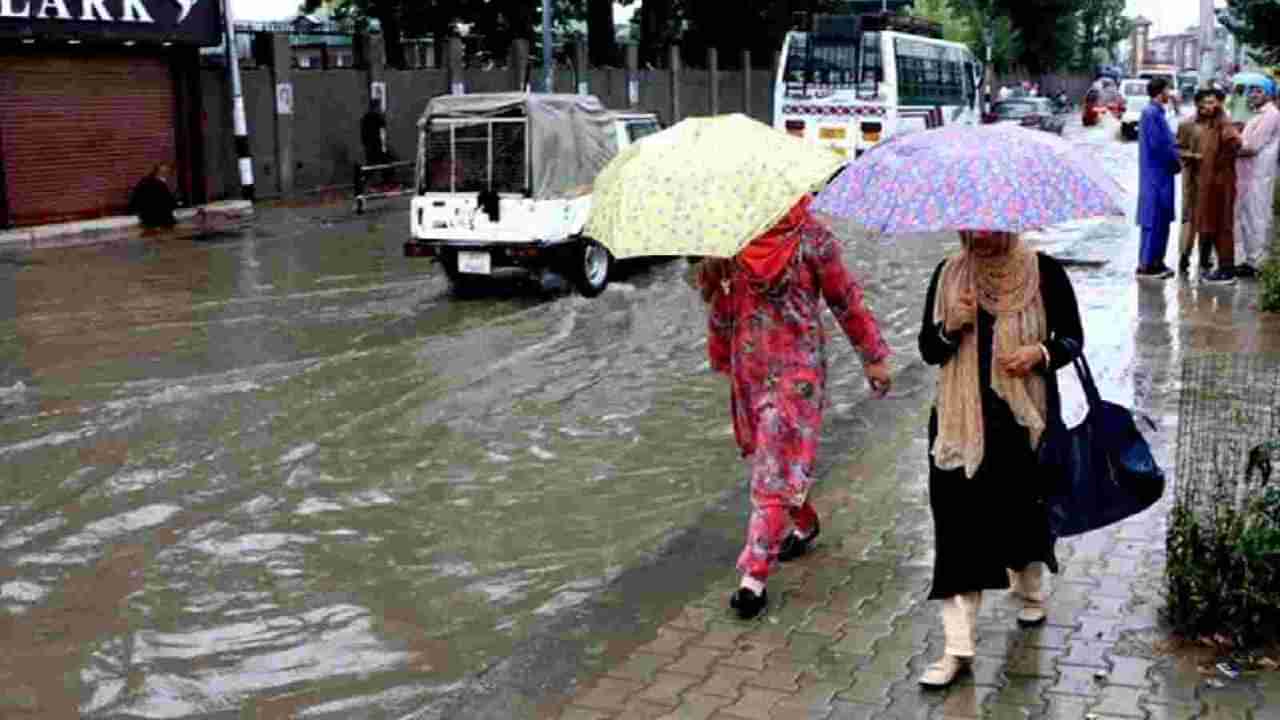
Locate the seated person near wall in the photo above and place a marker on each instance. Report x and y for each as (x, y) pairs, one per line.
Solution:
(152, 201)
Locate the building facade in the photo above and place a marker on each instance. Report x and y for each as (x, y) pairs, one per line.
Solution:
(93, 95)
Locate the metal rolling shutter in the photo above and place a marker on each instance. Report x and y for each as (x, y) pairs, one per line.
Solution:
(78, 132)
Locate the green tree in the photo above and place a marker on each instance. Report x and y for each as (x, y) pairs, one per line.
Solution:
(956, 23)
(1103, 24)
(1256, 23)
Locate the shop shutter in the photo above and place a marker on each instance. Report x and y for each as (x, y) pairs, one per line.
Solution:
(78, 131)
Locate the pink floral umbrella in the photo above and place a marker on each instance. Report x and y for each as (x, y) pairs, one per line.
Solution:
(1003, 178)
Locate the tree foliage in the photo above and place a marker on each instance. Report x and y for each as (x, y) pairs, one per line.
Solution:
(1256, 23)
(1033, 35)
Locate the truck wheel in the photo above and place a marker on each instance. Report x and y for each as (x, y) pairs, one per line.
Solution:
(590, 265)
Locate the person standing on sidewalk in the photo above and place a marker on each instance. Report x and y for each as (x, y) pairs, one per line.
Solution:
(1216, 184)
(997, 320)
(1159, 162)
(1256, 181)
(1188, 138)
(765, 333)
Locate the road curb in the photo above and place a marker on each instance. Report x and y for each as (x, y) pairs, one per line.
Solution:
(89, 232)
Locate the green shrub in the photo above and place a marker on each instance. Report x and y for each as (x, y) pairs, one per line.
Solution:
(1223, 568)
(1270, 281)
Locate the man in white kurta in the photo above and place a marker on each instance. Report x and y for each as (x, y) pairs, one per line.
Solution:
(1256, 182)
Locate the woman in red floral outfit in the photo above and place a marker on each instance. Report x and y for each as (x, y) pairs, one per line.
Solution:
(766, 333)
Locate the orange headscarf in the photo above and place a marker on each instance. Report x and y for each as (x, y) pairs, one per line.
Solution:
(767, 256)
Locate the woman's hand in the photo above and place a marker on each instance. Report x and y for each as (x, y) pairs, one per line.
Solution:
(878, 378)
(1021, 362)
(962, 313)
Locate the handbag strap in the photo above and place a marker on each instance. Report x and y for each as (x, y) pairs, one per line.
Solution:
(1083, 372)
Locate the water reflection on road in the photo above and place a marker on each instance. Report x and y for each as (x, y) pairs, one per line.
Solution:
(286, 471)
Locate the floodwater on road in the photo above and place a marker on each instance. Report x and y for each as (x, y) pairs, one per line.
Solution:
(286, 473)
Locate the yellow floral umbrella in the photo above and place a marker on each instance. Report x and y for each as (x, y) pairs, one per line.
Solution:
(706, 186)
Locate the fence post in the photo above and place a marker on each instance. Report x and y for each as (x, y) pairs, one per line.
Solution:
(453, 66)
(282, 81)
(633, 75)
(746, 83)
(713, 72)
(581, 73)
(673, 55)
(519, 64)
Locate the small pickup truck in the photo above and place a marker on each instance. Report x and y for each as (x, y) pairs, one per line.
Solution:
(504, 181)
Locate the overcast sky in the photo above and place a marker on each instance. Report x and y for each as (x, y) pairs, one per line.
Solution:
(281, 9)
(1169, 16)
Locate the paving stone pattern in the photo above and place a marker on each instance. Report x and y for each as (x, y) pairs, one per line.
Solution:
(849, 630)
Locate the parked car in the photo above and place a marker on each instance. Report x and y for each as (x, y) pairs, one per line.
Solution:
(1099, 101)
(1031, 112)
(1136, 100)
(504, 181)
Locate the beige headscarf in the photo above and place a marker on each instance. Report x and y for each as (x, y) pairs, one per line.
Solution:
(1008, 287)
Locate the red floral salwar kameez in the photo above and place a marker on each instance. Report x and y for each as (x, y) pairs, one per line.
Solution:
(769, 338)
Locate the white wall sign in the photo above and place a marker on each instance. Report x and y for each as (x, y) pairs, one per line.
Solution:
(633, 92)
(284, 98)
(378, 94)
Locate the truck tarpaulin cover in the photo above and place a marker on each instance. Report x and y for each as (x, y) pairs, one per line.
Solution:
(572, 136)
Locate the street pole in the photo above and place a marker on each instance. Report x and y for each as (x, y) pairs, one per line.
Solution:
(548, 70)
(1208, 44)
(244, 156)
(989, 36)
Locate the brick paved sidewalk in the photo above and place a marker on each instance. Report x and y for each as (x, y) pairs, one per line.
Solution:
(849, 629)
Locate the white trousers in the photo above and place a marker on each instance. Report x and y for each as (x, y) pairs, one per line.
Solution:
(960, 612)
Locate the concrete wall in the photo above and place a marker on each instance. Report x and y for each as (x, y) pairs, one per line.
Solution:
(328, 105)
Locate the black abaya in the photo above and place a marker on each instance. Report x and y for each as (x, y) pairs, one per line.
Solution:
(996, 519)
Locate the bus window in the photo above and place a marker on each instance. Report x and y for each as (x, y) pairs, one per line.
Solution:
(833, 62)
(797, 66)
(872, 61)
(929, 74)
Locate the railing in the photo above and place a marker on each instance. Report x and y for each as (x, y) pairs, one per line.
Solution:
(383, 182)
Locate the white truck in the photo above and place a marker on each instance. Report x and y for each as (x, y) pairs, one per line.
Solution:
(504, 181)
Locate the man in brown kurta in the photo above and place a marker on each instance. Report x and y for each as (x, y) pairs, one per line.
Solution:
(1189, 149)
(1215, 202)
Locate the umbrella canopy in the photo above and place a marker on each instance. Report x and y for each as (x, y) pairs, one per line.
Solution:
(1000, 178)
(1251, 79)
(706, 186)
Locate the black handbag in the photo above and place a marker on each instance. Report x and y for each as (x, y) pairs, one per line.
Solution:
(1099, 472)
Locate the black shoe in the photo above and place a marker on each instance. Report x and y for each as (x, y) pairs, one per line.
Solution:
(1246, 272)
(1220, 277)
(1184, 266)
(794, 547)
(748, 604)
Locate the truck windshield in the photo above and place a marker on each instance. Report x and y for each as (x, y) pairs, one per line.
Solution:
(471, 155)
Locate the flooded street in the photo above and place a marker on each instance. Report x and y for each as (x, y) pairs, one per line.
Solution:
(286, 473)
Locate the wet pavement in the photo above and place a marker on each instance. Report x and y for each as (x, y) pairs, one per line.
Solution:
(285, 473)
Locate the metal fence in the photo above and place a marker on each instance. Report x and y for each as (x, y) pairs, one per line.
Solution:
(1228, 432)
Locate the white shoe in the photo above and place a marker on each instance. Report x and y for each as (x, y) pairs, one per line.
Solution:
(944, 672)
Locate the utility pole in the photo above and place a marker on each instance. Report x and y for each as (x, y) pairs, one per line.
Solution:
(243, 154)
(1208, 44)
(548, 69)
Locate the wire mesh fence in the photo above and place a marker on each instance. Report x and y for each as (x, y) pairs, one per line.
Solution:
(1229, 422)
(1223, 564)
